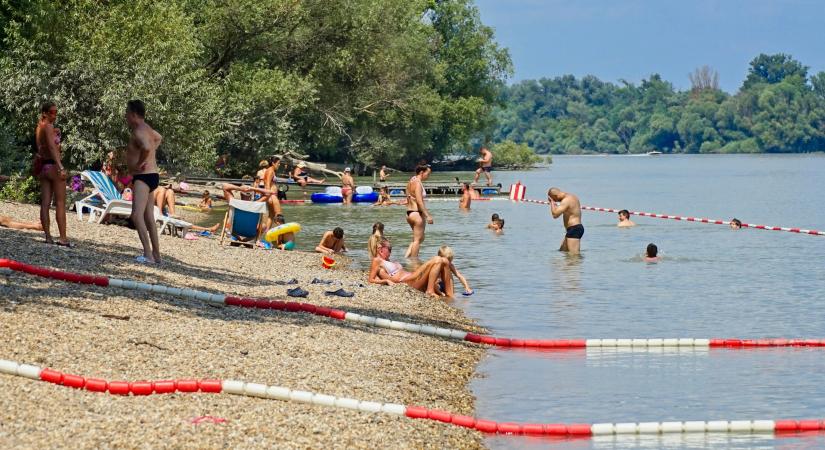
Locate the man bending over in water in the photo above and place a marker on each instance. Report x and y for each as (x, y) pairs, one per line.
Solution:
(624, 219)
(140, 158)
(570, 207)
(332, 242)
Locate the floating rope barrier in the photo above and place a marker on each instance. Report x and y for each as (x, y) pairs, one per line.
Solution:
(448, 333)
(263, 391)
(693, 219)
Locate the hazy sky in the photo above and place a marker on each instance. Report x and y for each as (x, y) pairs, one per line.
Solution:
(630, 39)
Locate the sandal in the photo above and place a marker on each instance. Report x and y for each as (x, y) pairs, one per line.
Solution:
(64, 244)
(297, 292)
(340, 293)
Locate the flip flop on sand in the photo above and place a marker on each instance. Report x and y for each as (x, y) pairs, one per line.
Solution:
(64, 244)
(292, 281)
(296, 292)
(143, 260)
(320, 281)
(340, 293)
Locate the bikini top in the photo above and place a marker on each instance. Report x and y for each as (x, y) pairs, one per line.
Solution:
(392, 268)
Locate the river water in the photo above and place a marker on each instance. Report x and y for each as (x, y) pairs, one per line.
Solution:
(711, 282)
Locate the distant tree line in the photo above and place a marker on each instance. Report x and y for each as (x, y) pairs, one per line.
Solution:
(375, 82)
(779, 108)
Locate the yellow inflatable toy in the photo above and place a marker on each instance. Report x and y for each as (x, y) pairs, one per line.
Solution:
(273, 233)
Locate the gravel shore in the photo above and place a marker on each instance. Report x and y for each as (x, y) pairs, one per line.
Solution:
(128, 335)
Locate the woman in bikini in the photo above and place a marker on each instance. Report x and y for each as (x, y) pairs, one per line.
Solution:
(425, 278)
(417, 215)
(51, 172)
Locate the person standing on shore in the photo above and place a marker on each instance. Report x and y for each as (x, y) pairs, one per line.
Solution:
(485, 165)
(570, 207)
(417, 214)
(382, 174)
(49, 169)
(140, 158)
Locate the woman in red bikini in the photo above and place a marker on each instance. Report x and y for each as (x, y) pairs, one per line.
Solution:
(49, 169)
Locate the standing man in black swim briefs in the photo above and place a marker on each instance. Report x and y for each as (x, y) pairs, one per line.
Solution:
(485, 165)
(140, 158)
(570, 207)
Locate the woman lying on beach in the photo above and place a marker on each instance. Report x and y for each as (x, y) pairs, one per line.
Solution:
(8, 222)
(425, 278)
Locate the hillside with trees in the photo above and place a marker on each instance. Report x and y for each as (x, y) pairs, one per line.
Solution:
(778, 109)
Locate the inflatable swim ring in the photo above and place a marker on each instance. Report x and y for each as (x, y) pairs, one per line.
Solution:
(372, 197)
(320, 197)
(273, 233)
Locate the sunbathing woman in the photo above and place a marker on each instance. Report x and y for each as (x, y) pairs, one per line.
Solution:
(424, 278)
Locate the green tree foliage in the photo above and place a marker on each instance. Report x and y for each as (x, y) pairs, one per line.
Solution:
(778, 109)
(366, 81)
(510, 155)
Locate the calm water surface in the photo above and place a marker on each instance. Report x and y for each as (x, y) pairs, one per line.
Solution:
(712, 282)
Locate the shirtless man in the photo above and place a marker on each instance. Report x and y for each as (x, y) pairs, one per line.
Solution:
(347, 186)
(417, 214)
(140, 159)
(332, 242)
(465, 200)
(624, 219)
(382, 174)
(486, 166)
(571, 208)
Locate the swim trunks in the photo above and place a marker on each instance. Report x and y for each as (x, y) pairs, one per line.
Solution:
(575, 232)
(289, 245)
(346, 190)
(149, 179)
(487, 169)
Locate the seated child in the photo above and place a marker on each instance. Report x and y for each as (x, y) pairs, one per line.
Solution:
(206, 201)
(332, 242)
(286, 241)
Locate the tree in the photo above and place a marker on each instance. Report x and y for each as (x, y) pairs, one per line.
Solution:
(704, 78)
(772, 69)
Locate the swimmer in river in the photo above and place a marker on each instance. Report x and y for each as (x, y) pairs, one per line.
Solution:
(493, 225)
(570, 207)
(651, 253)
(624, 219)
(735, 224)
(465, 200)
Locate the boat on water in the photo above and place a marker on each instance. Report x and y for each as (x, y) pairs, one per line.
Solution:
(654, 153)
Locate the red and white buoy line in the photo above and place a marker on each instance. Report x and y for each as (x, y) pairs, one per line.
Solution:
(235, 387)
(448, 333)
(692, 219)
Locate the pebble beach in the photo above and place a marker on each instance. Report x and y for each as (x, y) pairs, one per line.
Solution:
(117, 334)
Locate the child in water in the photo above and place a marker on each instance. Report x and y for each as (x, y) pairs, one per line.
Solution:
(286, 241)
(206, 201)
(493, 225)
(651, 254)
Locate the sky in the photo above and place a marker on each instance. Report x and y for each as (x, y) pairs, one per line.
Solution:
(631, 39)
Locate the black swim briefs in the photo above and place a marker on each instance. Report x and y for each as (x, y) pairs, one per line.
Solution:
(575, 232)
(487, 169)
(150, 179)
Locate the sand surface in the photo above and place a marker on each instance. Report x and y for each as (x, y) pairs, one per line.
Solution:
(117, 334)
